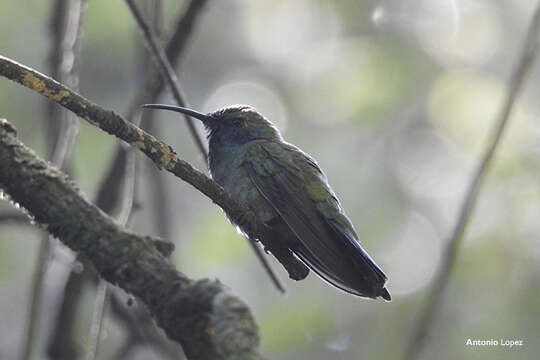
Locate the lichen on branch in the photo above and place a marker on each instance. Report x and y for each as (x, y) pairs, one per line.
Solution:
(203, 316)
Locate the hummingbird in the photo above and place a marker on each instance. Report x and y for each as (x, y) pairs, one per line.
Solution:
(288, 192)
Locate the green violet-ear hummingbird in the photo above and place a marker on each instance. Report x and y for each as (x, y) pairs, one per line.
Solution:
(286, 190)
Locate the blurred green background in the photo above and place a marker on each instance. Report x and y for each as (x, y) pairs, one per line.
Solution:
(393, 98)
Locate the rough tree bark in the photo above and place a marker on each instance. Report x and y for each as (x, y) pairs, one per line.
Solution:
(202, 315)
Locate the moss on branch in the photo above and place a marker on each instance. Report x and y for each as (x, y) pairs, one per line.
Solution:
(203, 316)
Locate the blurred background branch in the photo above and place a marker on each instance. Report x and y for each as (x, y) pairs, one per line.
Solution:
(167, 71)
(14, 217)
(65, 27)
(428, 314)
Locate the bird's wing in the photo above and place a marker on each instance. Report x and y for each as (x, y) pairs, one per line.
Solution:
(294, 185)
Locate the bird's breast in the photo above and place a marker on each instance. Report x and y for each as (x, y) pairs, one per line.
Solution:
(228, 171)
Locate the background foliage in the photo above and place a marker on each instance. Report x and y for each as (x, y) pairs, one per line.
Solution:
(393, 98)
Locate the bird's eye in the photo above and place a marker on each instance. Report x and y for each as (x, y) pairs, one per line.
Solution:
(237, 122)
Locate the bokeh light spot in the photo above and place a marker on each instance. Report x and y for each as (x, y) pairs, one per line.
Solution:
(412, 262)
(254, 93)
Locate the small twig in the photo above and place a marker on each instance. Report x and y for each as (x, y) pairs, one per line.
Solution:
(142, 330)
(15, 217)
(96, 325)
(102, 293)
(203, 316)
(66, 23)
(68, 73)
(172, 80)
(440, 281)
(64, 344)
(56, 26)
(150, 91)
(266, 266)
(167, 70)
(176, 44)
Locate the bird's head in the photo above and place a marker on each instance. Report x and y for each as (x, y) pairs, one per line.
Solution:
(230, 126)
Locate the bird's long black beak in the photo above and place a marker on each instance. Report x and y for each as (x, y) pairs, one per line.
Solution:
(183, 110)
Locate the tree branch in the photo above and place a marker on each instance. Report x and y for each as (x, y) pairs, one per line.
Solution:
(173, 50)
(440, 281)
(168, 73)
(208, 321)
(160, 153)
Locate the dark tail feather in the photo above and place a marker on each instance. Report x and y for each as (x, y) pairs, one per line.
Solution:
(341, 278)
(385, 294)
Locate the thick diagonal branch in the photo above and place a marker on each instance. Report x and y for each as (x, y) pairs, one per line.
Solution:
(203, 316)
(160, 153)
